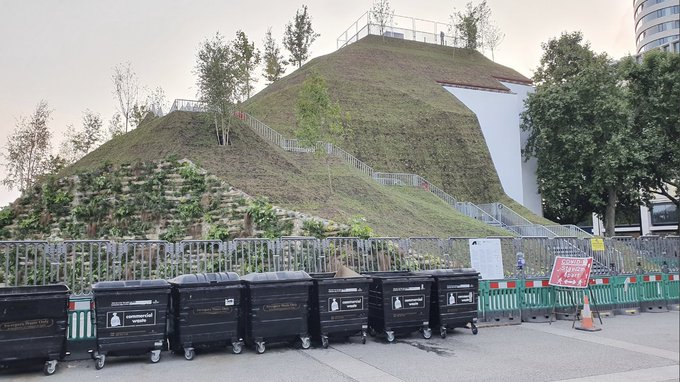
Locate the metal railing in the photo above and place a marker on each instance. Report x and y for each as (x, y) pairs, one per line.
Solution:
(187, 105)
(79, 264)
(402, 27)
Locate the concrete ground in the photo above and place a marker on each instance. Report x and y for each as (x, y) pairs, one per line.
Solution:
(629, 348)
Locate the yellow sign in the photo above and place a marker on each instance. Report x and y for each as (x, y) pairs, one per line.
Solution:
(597, 243)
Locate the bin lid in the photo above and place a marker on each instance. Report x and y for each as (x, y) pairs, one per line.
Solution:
(130, 284)
(276, 276)
(450, 272)
(34, 290)
(330, 276)
(197, 279)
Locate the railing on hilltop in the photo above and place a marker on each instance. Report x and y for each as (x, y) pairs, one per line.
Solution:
(402, 27)
(187, 105)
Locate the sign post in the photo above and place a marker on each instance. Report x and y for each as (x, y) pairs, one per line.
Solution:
(572, 273)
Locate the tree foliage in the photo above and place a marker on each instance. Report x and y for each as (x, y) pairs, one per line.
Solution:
(246, 58)
(654, 97)
(218, 83)
(78, 143)
(470, 24)
(27, 152)
(318, 118)
(274, 63)
(125, 90)
(588, 157)
(299, 36)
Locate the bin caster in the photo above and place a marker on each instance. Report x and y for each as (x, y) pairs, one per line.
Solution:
(156, 356)
(237, 347)
(259, 346)
(50, 367)
(390, 336)
(474, 329)
(442, 331)
(306, 342)
(371, 332)
(427, 333)
(363, 337)
(99, 361)
(188, 354)
(324, 342)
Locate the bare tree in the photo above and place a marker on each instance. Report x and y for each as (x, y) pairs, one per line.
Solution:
(156, 101)
(79, 143)
(382, 14)
(115, 126)
(125, 90)
(494, 37)
(27, 152)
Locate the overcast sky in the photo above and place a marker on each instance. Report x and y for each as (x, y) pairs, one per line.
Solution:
(64, 51)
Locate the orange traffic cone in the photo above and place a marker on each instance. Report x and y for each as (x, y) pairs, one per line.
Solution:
(587, 317)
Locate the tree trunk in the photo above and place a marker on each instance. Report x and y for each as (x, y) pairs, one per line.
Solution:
(217, 129)
(610, 214)
(328, 169)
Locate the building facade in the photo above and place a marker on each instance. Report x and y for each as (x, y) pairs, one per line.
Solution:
(657, 25)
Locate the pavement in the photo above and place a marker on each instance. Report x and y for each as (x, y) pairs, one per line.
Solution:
(628, 348)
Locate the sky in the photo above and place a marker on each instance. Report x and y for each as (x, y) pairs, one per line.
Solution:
(64, 51)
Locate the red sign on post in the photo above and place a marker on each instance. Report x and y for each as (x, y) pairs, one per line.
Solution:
(571, 272)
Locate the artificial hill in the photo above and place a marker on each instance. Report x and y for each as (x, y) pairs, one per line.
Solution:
(402, 119)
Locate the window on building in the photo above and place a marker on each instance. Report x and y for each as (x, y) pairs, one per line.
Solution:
(664, 214)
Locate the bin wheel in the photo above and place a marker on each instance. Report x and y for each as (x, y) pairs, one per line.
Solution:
(442, 332)
(260, 347)
(427, 333)
(306, 342)
(236, 347)
(99, 362)
(324, 342)
(156, 356)
(363, 337)
(371, 332)
(474, 329)
(188, 354)
(50, 367)
(390, 336)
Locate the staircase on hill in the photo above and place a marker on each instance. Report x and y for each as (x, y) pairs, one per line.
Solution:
(494, 214)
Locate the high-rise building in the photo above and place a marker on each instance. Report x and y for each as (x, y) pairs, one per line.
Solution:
(657, 25)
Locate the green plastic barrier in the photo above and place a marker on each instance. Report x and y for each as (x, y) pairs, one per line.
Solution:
(80, 326)
(673, 290)
(537, 300)
(652, 294)
(499, 301)
(626, 291)
(602, 295)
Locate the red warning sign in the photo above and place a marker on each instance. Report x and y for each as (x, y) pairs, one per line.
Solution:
(571, 272)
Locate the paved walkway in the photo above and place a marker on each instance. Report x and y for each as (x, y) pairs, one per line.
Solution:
(629, 348)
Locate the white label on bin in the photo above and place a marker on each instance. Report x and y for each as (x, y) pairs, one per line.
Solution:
(406, 289)
(408, 302)
(129, 318)
(345, 303)
(345, 290)
(459, 286)
(454, 298)
(132, 303)
(228, 302)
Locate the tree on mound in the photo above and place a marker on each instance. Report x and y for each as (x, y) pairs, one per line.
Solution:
(319, 119)
(299, 36)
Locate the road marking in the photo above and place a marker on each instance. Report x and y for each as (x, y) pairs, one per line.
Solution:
(655, 374)
(350, 366)
(648, 350)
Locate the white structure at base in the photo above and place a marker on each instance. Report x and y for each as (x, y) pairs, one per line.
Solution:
(498, 113)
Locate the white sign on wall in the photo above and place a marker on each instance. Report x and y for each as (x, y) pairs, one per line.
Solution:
(486, 258)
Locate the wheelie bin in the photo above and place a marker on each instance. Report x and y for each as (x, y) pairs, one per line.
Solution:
(277, 307)
(205, 311)
(130, 318)
(339, 306)
(399, 303)
(454, 299)
(33, 323)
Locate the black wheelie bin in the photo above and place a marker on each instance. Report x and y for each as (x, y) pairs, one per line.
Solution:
(205, 311)
(277, 307)
(33, 324)
(454, 300)
(130, 318)
(339, 306)
(399, 303)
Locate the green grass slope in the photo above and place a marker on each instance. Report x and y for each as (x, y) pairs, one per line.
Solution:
(293, 181)
(402, 118)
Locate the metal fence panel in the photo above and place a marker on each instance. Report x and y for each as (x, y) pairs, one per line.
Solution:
(143, 260)
(85, 262)
(347, 251)
(427, 253)
(198, 256)
(253, 255)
